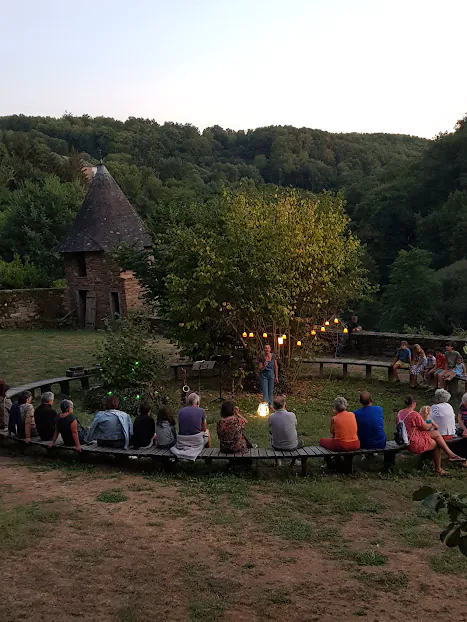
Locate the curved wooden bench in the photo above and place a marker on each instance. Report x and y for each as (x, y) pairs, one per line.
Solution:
(304, 454)
(46, 385)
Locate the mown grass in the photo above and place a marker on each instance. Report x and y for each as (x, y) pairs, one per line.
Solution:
(113, 495)
(22, 525)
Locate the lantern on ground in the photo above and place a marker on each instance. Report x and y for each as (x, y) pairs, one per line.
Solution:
(280, 341)
(263, 410)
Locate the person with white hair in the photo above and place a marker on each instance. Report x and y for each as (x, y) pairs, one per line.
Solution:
(462, 416)
(193, 434)
(45, 417)
(344, 430)
(28, 424)
(68, 427)
(443, 414)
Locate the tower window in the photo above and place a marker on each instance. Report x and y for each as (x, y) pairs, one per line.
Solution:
(80, 261)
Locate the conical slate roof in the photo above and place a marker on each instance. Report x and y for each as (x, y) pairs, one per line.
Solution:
(105, 220)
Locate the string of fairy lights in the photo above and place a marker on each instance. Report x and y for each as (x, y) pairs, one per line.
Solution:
(281, 338)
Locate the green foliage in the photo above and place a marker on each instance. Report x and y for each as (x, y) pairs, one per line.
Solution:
(455, 534)
(413, 294)
(35, 218)
(17, 274)
(132, 367)
(275, 261)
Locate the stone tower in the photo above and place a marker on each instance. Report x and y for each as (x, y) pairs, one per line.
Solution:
(96, 286)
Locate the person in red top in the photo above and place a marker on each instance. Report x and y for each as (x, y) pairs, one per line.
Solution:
(441, 365)
(230, 430)
(343, 429)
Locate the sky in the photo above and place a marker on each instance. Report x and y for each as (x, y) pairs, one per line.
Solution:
(338, 65)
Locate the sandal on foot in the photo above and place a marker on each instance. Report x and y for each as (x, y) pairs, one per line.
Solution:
(457, 459)
(441, 472)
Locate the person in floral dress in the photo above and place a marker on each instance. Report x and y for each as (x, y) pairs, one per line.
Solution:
(230, 430)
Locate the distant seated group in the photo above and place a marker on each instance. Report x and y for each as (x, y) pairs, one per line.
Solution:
(427, 430)
(436, 367)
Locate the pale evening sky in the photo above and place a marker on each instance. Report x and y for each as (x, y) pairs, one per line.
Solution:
(337, 65)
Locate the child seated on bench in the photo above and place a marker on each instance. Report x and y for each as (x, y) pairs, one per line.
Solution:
(166, 433)
(144, 427)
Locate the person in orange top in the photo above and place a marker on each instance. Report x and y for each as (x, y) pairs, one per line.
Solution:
(343, 429)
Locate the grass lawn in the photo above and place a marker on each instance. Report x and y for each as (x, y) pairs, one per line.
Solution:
(133, 544)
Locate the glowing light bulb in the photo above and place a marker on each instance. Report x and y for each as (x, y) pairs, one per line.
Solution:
(137, 397)
(284, 336)
(244, 334)
(326, 323)
(109, 393)
(336, 321)
(280, 341)
(323, 330)
(251, 335)
(313, 333)
(265, 335)
(299, 343)
(346, 330)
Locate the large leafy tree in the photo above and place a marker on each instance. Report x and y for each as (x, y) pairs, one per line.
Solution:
(36, 217)
(413, 294)
(276, 261)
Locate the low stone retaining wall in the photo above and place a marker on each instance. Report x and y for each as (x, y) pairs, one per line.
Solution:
(31, 308)
(368, 343)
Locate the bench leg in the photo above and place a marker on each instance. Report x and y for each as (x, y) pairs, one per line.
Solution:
(345, 370)
(389, 461)
(390, 374)
(65, 387)
(321, 370)
(304, 465)
(347, 465)
(175, 371)
(85, 384)
(368, 371)
(454, 386)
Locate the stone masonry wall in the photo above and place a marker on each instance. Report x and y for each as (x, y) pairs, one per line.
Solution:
(103, 276)
(383, 345)
(31, 308)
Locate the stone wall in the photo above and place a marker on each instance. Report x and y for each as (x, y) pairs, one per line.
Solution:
(104, 284)
(31, 308)
(385, 345)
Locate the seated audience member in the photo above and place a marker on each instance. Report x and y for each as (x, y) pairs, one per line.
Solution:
(451, 360)
(193, 434)
(462, 416)
(14, 421)
(144, 427)
(283, 426)
(370, 424)
(45, 417)
(443, 414)
(343, 429)
(423, 438)
(165, 428)
(5, 405)
(440, 366)
(230, 430)
(430, 365)
(67, 425)
(111, 427)
(418, 364)
(403, 359)
(28, 424)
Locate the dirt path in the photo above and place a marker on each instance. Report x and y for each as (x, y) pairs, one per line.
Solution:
(163, 555)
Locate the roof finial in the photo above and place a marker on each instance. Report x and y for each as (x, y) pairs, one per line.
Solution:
(100, 154)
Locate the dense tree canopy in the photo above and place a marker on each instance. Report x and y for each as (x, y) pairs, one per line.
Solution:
(401, 192)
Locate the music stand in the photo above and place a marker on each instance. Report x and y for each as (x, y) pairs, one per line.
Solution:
(200, 366)
(220, 359)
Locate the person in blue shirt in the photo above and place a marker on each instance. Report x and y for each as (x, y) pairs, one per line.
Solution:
(370, 424)
(403, 360)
